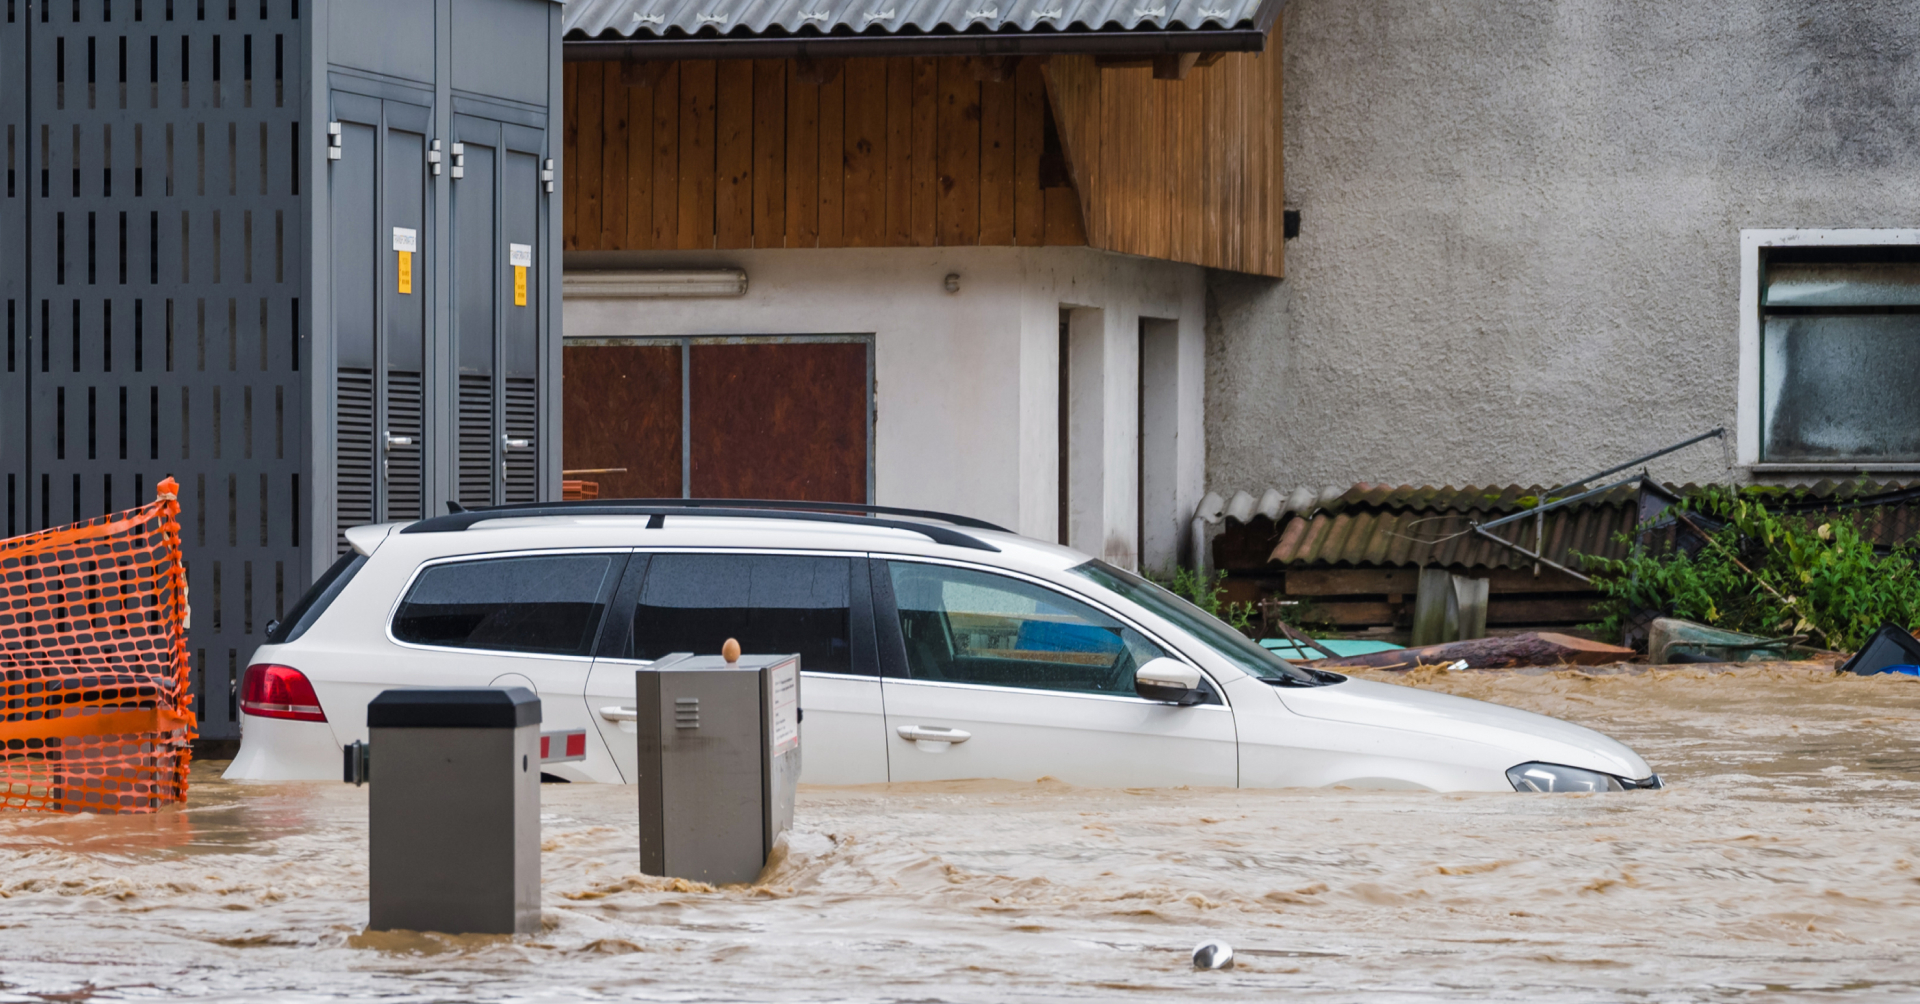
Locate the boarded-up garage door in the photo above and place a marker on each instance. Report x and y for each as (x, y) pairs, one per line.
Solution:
(766, 418)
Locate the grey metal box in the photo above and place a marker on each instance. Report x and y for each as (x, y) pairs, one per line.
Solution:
(719, 747)
(453, 817)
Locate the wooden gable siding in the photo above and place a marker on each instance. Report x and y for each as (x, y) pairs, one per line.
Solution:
(1188, 170)
(907, 152)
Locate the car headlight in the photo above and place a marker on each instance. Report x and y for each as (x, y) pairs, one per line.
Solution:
(1558, 777)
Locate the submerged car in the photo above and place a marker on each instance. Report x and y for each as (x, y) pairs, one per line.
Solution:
(932, 647)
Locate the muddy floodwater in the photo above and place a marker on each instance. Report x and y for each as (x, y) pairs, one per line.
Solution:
(1782, 863)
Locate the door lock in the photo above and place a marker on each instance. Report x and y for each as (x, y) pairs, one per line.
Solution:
(394, 442)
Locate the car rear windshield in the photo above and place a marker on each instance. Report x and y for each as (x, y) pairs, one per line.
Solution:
(318, 597)
(1231, 645)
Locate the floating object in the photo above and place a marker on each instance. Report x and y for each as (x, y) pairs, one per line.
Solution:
(1543, 648)
(1213, 955)
(1891, 646)
(1674, 640)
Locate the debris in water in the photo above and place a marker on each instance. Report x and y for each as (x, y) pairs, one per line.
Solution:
(1213, 955)
(1541, 648)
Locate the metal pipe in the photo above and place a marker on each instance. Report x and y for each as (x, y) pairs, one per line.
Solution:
(1482, 531)
(1557, 503)
(1637, 461)
(849, 46)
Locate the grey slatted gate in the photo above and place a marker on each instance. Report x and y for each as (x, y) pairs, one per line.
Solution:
(192, 286)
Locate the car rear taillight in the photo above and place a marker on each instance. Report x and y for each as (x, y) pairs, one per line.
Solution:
(270, 691)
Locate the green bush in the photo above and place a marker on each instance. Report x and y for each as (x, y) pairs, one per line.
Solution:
(1205, 594)
(1813, 575)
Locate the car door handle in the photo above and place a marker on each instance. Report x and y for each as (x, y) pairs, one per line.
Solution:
(618, 714)
(933, 734)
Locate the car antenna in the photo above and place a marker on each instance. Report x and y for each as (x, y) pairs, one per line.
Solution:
(454, 507)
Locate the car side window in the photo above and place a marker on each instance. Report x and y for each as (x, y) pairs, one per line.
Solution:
(550, 604)
(771, 603)
(964, 626)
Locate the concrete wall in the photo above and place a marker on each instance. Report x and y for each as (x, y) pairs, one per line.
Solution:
(966, 398)
(1519, 253)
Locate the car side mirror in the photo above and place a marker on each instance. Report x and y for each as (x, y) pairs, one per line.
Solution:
(1169, 680)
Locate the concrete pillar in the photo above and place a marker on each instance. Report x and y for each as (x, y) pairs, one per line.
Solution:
(1161, 523)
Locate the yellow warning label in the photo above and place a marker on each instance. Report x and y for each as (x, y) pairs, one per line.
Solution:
(519, 285)
(406, 271)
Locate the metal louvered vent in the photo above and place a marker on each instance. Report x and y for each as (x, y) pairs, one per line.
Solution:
(353, 452)
(404, 434)
(520, 460)
(476, 439)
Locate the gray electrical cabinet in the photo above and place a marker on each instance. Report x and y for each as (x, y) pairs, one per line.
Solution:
(719, 748)
(301, 255)
(453, 814)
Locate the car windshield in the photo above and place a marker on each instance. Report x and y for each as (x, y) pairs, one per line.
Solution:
(1231, 645)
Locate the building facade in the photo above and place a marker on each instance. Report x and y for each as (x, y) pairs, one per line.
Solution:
(1538, 240)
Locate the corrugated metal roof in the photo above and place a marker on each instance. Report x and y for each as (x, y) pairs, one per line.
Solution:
(616, 20)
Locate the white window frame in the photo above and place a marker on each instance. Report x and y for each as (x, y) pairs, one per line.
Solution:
(1747, 430)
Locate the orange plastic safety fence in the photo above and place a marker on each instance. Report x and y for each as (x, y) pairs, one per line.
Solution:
(94, 647)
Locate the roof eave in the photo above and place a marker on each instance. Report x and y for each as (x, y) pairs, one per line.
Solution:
(1251, 39)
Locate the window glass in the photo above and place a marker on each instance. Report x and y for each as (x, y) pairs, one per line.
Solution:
(316, 600)
(963, 626)
(1840, 342)
(771, 603)
(1222, 639)
(550, 604)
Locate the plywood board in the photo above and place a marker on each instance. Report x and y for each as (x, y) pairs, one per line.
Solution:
(621, 409)
(779, 421)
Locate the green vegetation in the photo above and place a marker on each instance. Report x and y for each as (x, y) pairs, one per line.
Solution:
(1768, 573)
(1206, 594)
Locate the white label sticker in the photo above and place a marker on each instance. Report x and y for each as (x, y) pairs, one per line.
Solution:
(520, 255)
(405, 240)
(783, 718)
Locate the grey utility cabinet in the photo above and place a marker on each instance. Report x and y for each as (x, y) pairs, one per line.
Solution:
(201, 276)
(719, 755)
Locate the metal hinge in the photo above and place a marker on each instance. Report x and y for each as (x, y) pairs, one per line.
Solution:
(334, 139)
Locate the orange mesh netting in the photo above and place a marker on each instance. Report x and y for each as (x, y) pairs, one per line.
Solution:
(93, 644)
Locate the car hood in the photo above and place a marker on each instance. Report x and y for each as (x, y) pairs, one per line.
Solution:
(1527, 735)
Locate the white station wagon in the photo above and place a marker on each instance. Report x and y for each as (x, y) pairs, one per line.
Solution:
(932, 647)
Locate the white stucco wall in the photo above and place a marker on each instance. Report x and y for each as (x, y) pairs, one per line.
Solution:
(966, 383)
(1520, 247)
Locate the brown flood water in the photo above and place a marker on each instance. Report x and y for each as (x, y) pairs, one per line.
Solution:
(1783, 863)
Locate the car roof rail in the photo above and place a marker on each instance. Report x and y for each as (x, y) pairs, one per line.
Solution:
(456, 521)
(788, 505)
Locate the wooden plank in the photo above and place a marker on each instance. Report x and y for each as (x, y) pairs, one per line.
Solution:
(866, 147)
(926, 94)
(1030, 110)
(639, 233)
(697, 164)
(997, 138)
(803, 160)
(899, 152)
(613, 157)
(957, 198)
(1064, 226)
(1073, 89)
(1276, 263)
(666, 161)
(570, 156)
(1351, 581)
(769, 153)
(587, 218)
(833, 161)
(733, 154)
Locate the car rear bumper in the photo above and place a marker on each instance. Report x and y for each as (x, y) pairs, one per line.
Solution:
(273, 749)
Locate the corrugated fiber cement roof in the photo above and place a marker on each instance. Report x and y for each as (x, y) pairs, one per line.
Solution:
(651, 19)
